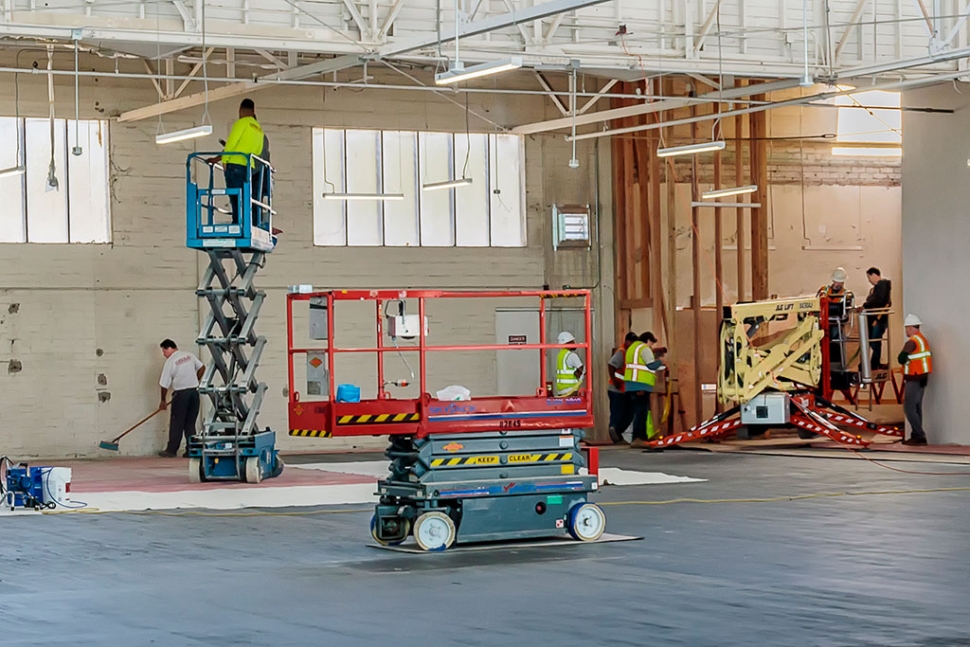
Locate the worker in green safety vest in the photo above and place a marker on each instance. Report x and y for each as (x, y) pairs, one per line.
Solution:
(639, 380)
(569, 367)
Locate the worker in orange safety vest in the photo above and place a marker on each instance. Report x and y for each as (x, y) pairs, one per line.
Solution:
(917, 360)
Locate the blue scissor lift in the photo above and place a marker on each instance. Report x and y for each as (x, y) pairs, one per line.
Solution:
(236, 239)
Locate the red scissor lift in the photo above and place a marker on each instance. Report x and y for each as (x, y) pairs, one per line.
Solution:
(517, 456)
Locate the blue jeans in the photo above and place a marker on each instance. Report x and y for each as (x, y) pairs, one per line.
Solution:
(621, 414)
(640, 403)
(877, 328)
(236, 175)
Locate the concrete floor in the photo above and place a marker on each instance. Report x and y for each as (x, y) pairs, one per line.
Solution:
(875, 569)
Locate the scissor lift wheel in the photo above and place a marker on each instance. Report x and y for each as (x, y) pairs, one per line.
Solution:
(254, 471)
(196, 474)
(586, 522)
(434, 531)
(403, 527)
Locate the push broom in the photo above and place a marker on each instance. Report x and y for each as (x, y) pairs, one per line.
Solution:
(113, 443)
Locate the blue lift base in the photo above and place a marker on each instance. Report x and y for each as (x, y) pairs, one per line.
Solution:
(234, 458)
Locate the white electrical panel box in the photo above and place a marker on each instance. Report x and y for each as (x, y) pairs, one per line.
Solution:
(405, 326)
(767, 409)
(318, 318)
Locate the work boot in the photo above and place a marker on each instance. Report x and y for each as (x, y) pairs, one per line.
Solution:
(918, 440)
(615, 437)
(166, 454)
(639, 443)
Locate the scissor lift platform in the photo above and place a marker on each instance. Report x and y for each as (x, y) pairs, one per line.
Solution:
(488, 468)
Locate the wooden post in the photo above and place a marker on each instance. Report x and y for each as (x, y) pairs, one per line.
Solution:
(696, 273)
(759, 215)
(660, 322)
(619, 217)
(671, 243)
(718, 272)
(739, 181)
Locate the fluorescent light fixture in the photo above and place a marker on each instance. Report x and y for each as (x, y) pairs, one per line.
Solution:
(867, 151)
(691, 149)
(380, 197)
(459, 72)
(182, 135)
(723, 193)
(13, 170)
(726, 205)
(449, 184)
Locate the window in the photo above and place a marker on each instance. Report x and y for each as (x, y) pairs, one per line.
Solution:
(489, 212)
(68, 202)
(870, 123)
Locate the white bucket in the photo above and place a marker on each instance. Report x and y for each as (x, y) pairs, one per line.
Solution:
(57, 485)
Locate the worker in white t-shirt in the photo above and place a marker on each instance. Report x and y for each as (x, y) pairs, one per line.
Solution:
(181, 375)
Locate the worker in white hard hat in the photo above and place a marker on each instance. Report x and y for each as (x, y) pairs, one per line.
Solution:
(917, 360)
(840, 303)
(836, 293)
(569, 367)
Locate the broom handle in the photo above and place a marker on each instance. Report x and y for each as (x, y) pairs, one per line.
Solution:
(138, 424)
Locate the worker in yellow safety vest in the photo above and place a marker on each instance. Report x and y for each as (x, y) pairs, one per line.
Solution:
(621, 412)
(638, 382)
(569, 367)
(246, 137)
(917, 360)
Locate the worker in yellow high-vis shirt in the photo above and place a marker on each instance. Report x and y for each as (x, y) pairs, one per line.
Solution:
(569, 367)
(246, 137)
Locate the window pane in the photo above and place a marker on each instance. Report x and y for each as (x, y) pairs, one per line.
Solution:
(46, 207)
(364, 217)
(400, 176)
(329, 223)
(12, 186)
(437, 225)
(508, 193)
(88, 191)
(870, 124)
(471, 202)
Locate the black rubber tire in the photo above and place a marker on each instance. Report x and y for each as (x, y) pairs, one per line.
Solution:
(277, 467)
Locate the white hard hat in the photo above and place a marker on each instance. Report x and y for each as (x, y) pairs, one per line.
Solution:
(838, 276)
(913, 320)
(565, 337)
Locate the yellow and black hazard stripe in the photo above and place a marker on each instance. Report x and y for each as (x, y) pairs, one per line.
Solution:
(378, 419)
(311, 433)
(512, 459)
(517, 459)
(455, 461)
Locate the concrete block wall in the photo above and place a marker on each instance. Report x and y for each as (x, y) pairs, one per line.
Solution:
(84, 321)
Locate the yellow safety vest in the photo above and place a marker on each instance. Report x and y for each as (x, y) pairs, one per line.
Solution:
(566, 381)
(636, 370)
(246, 137)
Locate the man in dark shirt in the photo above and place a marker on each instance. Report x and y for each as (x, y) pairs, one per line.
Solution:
(879, 298)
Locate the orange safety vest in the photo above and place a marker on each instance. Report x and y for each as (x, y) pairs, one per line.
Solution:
(920, 361)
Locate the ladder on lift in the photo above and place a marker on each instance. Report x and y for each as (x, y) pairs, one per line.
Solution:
(231, 446)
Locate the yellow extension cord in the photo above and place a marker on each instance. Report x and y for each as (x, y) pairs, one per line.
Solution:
(309, 513)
